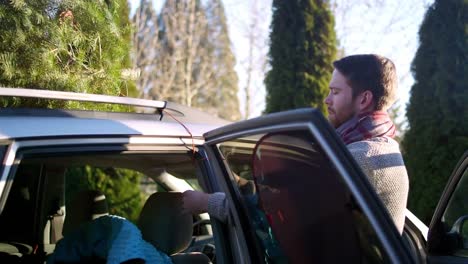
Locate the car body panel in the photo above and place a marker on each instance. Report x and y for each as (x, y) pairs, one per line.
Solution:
(27, 127)
(424, 230)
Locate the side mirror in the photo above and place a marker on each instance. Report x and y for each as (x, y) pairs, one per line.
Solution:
(457, 238)
(460, 232)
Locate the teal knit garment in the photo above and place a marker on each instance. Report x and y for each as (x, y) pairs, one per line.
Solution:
(111, 238)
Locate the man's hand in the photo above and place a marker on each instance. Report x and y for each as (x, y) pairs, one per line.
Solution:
(195, 202)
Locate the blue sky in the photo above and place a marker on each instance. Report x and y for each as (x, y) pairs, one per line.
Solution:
(386, 27)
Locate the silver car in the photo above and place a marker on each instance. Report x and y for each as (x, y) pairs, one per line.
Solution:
(303, 198)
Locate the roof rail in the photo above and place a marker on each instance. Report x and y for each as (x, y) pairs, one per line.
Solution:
(82, 97)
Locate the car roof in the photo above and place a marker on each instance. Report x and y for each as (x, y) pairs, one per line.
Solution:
(155, 118)
(29, 123)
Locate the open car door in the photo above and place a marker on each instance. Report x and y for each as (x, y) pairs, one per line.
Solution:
(448, 231)
(296, 195)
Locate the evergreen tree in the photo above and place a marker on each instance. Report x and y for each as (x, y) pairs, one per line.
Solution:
(63, 45)
(302, 50)
(125, 25)
(24, 27)
(437, 111)
(71, 45)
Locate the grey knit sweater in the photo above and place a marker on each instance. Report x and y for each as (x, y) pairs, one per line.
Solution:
(380, 159)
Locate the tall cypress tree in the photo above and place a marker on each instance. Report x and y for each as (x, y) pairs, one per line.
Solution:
(438, 110)
(303, 47)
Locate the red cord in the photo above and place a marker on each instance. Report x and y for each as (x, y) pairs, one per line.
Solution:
(188, 131)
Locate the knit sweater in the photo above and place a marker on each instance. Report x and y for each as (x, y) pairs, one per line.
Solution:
(111, 238)
(382, 163)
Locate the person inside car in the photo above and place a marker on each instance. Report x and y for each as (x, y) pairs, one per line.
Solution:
(362, 89)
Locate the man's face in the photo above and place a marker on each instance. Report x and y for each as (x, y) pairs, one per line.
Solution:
(340, 103)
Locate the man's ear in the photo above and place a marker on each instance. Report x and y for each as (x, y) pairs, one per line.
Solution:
(366, 101)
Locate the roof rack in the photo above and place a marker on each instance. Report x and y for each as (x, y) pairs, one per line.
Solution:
(82, 97)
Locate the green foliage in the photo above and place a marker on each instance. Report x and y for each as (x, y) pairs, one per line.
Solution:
(68, 45)
(125, 26)
(72, 45)
(303, 47)
(438, 110)
(120, 186)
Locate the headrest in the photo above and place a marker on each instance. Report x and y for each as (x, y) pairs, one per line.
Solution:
(163, 224)
(85, 206)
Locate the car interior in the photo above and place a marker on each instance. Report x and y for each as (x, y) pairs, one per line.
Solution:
(52, 194)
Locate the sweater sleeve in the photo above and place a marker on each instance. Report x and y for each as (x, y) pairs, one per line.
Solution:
(218, 206)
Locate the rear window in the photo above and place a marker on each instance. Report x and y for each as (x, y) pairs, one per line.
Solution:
(299, 209)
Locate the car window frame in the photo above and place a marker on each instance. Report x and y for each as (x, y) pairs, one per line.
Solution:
(3, 149)
(313, 121)
(235, 227)
(17, 148)
(8, 166)
(209, 182)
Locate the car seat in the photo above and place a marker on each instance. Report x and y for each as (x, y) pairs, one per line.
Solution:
(166, 227)
(85, 206)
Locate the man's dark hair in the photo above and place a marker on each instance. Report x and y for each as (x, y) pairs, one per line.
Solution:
(370, 72)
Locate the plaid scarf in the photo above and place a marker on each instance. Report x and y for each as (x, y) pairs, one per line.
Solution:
(365, 126)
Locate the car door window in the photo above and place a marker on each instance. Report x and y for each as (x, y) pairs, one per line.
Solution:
(297, 206)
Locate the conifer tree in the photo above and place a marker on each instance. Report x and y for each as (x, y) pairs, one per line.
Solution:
(303, 47)
(24, 27)
(63, 45)
(125, 25)
(438, 110)
(71, 45)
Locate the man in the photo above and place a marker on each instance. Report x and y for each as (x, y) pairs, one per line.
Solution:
(362, 89)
